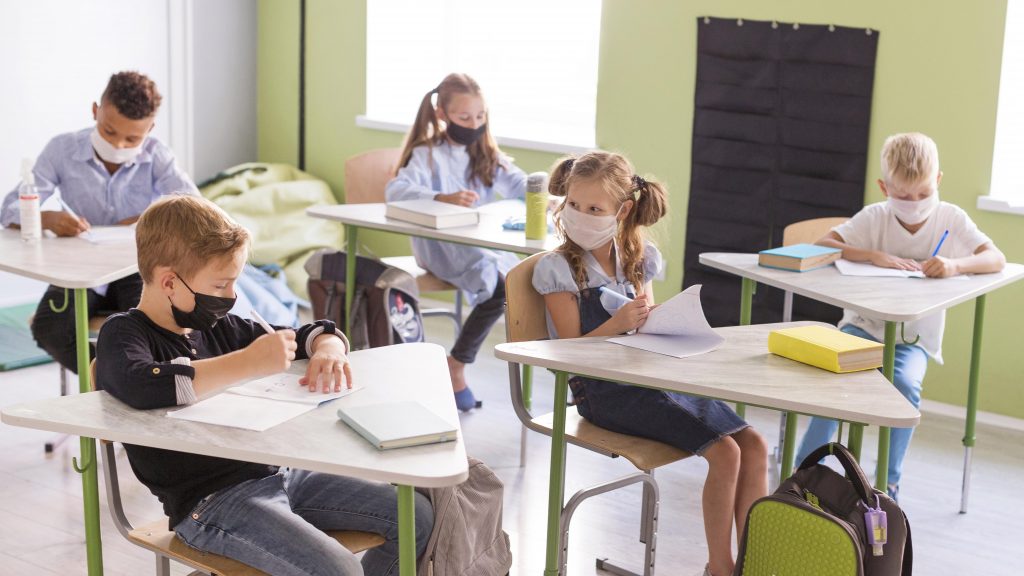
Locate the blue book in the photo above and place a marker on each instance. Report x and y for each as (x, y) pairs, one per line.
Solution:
(799, 257)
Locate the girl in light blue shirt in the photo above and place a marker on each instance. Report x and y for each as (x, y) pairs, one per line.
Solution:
(459, 162)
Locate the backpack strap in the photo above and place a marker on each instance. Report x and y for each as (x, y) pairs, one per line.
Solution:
(853, 471)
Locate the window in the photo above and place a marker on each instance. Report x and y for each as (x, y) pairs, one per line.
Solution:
(1006, 189)
(536, 61)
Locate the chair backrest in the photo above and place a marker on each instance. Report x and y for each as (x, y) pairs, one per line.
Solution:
(524, 306)
(809, 231)
(367, 174)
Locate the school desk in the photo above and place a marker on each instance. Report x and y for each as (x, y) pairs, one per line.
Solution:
(487, 233)
(741, 370)
(315, 441)
(873, 297)
(76, 264)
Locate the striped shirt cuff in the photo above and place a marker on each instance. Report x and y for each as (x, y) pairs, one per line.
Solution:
(318, 331)
(183, 391)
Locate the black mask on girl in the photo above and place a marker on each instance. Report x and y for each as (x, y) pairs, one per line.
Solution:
(463, 135)
(208, 311)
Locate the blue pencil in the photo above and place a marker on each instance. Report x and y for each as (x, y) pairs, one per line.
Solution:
(941, 240)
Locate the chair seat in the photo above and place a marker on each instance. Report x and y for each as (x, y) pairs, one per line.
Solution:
(644, 453)
(425, 281)
(156, 537)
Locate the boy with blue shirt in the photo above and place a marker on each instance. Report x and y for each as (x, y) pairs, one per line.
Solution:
(903, 232)
(106, 175)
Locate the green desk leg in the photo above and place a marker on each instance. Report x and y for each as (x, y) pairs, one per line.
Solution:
(788, 446)
(747, 289)
(351, 234)
(87, 465)
(556, 487)
(406, 531)
(888, 367)
(527, 387)
(972, 399)
(856, 440)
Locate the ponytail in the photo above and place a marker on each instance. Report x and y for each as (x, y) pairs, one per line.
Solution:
(650, 202)
(426, 129)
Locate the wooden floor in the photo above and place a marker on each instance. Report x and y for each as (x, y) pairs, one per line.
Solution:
(41, 507)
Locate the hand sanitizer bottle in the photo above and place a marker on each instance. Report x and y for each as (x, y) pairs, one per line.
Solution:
(28, 204)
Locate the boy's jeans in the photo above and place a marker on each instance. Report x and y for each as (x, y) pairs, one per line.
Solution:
(908, 373)
(277, 524)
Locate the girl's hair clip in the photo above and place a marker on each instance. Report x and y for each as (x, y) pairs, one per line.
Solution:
(569, 164)
(639, 183)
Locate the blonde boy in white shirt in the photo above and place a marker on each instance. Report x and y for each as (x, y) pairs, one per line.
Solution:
(902, 233)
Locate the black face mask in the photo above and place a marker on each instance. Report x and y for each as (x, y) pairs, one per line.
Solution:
(208, 310)
(463, 135)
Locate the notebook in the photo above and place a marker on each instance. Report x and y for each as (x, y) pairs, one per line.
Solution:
(799, 257)
(676, 328)
(397, 424)
(432, 213)
(826, 348)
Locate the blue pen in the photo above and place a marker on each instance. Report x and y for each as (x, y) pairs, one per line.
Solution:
(941, 240)
(614, 294)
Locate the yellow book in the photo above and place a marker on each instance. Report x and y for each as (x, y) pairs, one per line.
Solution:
(826, 347)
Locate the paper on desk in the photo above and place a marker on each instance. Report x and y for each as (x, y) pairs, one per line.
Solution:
(285, 387)
(240, 411)
(848, 268)
(676, 328)
(109, 234)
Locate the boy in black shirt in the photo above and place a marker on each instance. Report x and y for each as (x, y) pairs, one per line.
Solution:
(180, 344)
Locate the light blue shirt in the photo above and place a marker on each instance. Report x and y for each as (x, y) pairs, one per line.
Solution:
(443, 169)
(69, 164)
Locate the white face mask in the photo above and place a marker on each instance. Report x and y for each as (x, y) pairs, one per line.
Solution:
(914, 211)
(108, 153)
(587, 230)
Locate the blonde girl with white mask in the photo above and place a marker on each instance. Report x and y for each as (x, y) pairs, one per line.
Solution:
(603, 220)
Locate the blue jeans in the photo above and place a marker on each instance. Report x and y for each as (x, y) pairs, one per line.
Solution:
(908, 373)
(277, 524)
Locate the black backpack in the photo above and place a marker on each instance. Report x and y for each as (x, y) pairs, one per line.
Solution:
(385, 306)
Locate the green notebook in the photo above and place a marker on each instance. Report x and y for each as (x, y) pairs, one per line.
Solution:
(397, 424)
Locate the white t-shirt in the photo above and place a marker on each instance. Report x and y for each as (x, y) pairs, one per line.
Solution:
(876, 228)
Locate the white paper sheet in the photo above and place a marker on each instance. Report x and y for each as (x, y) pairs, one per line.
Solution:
(239, 411)
(848, 268)
(285, 387)
(676, 328)
(109, 234)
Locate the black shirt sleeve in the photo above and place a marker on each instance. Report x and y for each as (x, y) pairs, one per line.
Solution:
(127, 369)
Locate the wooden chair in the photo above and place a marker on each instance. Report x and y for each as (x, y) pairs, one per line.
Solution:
(165, 544)
(803, 232)
(366, 176)
(525, 321)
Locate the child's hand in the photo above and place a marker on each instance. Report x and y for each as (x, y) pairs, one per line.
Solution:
(939, 267)
(632, 315)
(461, 198)
(884, 260)
(62, 223)
(326, 366)
(273, 353)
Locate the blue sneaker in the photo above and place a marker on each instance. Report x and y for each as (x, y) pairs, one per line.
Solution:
(465, 401)
(893, 490)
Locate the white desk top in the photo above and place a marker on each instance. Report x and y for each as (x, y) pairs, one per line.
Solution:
(891, 299)
(742, 370)
(313, 441)
(67, 262)
(487, 233)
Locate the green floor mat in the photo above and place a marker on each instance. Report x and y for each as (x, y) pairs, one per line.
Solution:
(17, 348)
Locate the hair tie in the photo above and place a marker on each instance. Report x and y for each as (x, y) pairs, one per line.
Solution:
(639, 184)
(569, 164)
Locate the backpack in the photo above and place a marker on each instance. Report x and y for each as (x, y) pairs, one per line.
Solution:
(467, 539)
(814, 524)
(385, 306)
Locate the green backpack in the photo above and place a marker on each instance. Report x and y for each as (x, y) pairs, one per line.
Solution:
(816, 524)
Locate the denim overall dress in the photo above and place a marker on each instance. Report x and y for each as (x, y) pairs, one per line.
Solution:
(686, 422)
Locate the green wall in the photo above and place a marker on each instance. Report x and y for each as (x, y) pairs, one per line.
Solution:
(938, 73)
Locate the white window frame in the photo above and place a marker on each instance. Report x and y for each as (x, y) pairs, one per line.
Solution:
(1004, 196)
(556, 146)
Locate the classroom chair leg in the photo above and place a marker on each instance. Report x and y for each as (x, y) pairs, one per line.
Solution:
(163, 565)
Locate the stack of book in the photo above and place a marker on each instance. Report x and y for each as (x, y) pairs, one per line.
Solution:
(826, 347)
(799, 257)
(432, 213)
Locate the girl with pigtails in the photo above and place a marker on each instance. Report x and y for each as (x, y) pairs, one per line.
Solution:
(603, 219)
